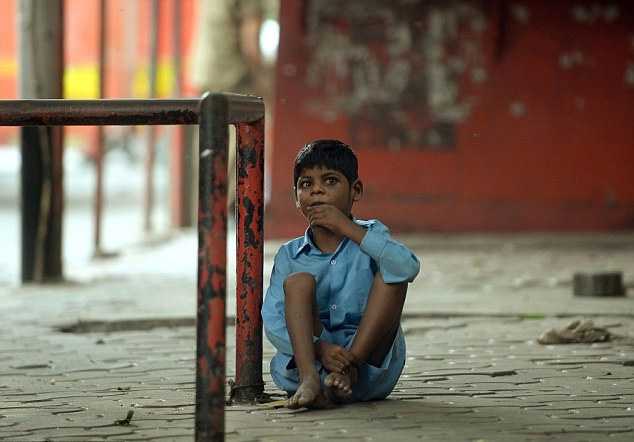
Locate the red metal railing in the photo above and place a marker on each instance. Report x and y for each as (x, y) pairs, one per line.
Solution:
(213, 113)
(249, 259)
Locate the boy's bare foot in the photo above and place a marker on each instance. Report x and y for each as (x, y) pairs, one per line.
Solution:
(338, 387)
(307, 394)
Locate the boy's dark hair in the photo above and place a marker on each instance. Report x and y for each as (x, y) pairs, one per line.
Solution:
(332, 154)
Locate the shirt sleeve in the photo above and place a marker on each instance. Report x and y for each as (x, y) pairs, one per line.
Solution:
(395, 261)
(273, 306)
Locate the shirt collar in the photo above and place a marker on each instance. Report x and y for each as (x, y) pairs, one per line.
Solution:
(307, 243)
(363, 223)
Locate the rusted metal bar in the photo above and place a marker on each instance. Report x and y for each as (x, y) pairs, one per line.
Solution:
(177, 18)
(118, 112)
(113, 112)
(41, 69)
(249, 260)
(181, 158)
(212, 265)
(99, 147)
(244, 108)
(214, 112)
(42, 204)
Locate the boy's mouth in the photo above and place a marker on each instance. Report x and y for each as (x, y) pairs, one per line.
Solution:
(315, 204)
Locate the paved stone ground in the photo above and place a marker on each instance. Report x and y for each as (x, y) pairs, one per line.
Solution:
(474, 370)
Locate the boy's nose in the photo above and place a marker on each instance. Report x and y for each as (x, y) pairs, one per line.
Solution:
(316, 188)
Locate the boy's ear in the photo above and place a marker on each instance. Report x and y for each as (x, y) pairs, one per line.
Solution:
(357, 190)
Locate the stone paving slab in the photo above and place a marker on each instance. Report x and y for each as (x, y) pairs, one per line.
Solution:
(474, 369)
(485, 380)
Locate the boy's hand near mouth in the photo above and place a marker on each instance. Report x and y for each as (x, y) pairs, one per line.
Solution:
(331, 218)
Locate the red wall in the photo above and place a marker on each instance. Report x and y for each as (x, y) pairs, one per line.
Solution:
(547, 143)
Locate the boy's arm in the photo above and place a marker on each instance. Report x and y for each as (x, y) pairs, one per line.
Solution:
(396, 262)
(333, 219)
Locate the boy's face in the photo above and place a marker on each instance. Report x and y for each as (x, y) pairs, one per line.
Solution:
(320, 185)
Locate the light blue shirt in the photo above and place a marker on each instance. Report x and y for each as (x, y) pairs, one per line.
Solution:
(343, 278)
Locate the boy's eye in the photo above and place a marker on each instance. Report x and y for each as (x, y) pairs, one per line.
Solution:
(331, 180)
(304, 184)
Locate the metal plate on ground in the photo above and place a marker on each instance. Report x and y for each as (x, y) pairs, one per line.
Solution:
(598, 284)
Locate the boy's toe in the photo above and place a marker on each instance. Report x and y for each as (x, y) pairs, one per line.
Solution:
(338, 385)
(296, 401)
(291, 403)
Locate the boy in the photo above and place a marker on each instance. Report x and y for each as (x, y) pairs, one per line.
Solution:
(334, 304)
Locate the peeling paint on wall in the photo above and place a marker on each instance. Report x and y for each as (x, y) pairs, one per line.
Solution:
(546, 142)
(518, 109)
(569, 60)
(629, 69)
(595, 13)
(629, 74)
(394, 69)
(520, 13)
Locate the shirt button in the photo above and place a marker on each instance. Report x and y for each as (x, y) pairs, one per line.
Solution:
(333, 262)
(334, 306)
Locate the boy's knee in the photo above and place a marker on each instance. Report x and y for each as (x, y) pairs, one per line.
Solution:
(299, 282)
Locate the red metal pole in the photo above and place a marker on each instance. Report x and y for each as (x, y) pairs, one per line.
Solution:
(249, 260)
(41, 72)
(212, 268)
(98, 203)
(178, 151)
(213, 113)
(150, 158)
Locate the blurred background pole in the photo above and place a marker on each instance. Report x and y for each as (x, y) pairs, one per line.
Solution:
(151, 140)
(180, 161)
(41, 72)
(99, 148)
